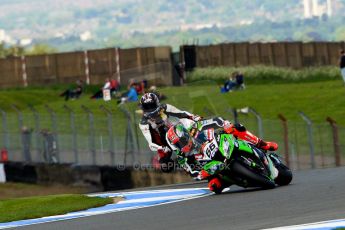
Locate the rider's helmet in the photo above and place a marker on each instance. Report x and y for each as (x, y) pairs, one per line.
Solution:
(179, 138)
(150, 104)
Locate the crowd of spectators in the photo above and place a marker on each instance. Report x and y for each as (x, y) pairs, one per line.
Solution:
(112, 90)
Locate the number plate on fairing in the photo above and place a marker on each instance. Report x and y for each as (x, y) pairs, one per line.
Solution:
(210, 149)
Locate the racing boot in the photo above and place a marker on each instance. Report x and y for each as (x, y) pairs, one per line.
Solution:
(216, 185)
(239, 131)
(267, 145)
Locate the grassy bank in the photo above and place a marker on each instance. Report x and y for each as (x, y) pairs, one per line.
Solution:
(317, 99)
(319, 92)
(35, 207)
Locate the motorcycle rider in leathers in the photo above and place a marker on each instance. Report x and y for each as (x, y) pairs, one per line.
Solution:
(154, 127)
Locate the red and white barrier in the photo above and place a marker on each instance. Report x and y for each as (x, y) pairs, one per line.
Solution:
(87, 70)
(24, 75)
(117, 63)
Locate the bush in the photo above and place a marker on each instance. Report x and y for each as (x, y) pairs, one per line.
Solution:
(266, 74)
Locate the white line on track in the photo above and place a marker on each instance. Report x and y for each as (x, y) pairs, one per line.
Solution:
(324, 225)
(132, 200)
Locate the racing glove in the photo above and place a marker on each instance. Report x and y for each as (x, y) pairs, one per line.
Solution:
(195, 118)
(202, 175)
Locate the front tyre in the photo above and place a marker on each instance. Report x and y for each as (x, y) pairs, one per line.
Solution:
(284, 175)
(254, 179)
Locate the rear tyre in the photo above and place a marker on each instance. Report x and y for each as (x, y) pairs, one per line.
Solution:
(253, 179)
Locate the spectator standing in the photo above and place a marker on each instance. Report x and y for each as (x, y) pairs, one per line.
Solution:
(342, 64)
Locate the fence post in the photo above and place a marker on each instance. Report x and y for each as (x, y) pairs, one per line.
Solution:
(74, 133)
(335, 140)
(321, 146)
(286, 138)
(91, 133)
(5, 130)
(234, 114)
(247, 110)
(37, 131)
(20, 116)
(129, 135)
(259, 120)
(55, 133)
(22, 129)
(136, 133)
(111, 135)
(310, 138)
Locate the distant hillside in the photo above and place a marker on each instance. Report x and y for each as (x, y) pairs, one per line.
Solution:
(80, 24)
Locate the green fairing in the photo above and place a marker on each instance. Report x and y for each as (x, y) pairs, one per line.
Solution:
(244, 146)
(271, 166)
(214, 167)
(223, 139)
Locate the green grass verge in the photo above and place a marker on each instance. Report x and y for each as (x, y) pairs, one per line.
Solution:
(35, 207)
(11, 190)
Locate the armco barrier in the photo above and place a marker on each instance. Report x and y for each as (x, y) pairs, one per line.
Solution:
(113, 178)
(87, 176)
(95, 178)
(20, 172)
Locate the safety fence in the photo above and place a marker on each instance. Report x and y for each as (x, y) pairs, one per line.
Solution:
(86, 139)
(113, 138)
(303, 144)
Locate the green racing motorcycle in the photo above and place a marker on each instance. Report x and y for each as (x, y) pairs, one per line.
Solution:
(232, 160)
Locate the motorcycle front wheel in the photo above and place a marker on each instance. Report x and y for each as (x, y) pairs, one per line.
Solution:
(253, 178)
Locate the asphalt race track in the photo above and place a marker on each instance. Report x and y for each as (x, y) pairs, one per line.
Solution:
(314, 195)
